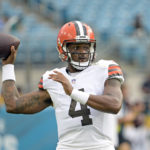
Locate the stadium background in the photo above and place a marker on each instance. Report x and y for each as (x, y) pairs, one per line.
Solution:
(37, 22)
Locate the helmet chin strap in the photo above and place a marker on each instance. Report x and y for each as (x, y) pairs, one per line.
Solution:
(80, 66)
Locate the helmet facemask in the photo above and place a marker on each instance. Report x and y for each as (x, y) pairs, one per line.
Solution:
(78, 64)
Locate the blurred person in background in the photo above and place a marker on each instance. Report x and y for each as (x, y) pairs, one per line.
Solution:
(134, 45)
(138, 27)
(145, 87)
(131, 119)
(134, 128)
(85, 95)
(146, 91)
(126, 106)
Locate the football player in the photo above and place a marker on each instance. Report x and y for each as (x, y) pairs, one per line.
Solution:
(85, 95)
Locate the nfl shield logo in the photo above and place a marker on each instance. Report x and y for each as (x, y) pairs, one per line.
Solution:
(73, 81)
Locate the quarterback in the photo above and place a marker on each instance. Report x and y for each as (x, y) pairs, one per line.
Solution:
(84, 94)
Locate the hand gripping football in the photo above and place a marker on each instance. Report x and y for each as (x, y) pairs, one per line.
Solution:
(6, 41)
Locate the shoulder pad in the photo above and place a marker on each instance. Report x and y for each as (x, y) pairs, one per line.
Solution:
(44, 81)
(114, 70)
(105, 63)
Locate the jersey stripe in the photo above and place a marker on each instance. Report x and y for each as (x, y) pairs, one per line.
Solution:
(41, 80)
(40, 85)
(115, 73)
(113, 67)
(114, 70)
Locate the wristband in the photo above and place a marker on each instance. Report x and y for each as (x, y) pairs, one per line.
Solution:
(79, 96)
(8, 72)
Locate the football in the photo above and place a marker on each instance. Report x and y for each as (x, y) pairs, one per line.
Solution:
(6, 41)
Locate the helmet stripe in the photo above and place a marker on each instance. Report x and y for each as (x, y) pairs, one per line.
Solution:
(77, 28)
(84, 29)
(80, 28)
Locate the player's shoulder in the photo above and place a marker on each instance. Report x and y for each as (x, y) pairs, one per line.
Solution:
(46, 82)
(52, 71)
(113, 69)
(105, 63)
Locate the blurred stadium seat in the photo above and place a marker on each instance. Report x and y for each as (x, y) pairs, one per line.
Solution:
(102, 15)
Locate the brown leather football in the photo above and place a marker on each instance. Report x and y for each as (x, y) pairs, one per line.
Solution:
(6, 41)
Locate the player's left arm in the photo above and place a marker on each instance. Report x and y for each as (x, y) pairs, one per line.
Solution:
(111, 99)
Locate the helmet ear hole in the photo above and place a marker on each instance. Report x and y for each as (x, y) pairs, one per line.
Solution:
(63, 57)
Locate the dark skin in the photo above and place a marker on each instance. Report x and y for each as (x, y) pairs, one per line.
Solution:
(33, 102)
(83, 49)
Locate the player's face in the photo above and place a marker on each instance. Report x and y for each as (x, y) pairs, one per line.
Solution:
(79, 52)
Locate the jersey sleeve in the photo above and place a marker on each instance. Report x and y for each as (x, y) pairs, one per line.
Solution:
(115, 71)
(45, 83)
